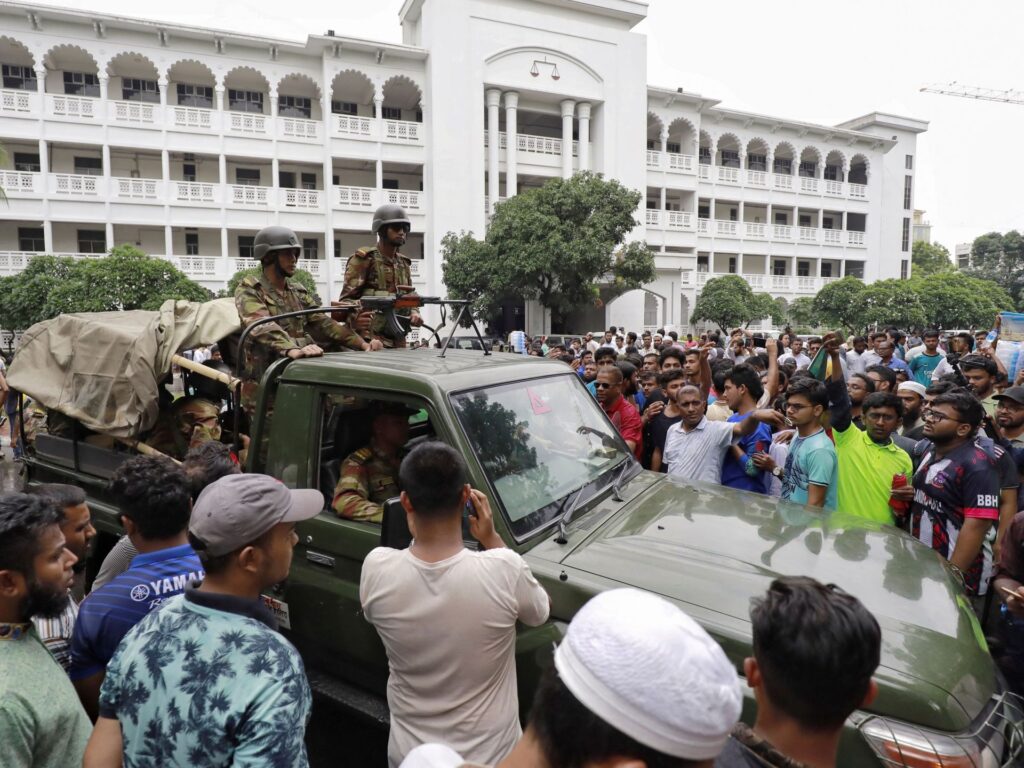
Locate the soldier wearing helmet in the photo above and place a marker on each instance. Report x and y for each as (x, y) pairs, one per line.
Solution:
(274, 293)
(381, 271)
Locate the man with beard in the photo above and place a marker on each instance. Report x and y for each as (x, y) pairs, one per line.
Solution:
(589, 372)
(980, 372)
(1010, 415)
(42, 723)
(911, 393)
(622, 413)
(76, 525)
(858, 387)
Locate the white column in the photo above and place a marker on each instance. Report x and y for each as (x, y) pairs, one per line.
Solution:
(47, 235)
(104, 82)
(222, 171)
(168, 240)
(110, 234)
(162, 84)
(165, 166)
(378, 111)
(584, 115)
(568, 108)
(493, 99)
(379, 170)
(44, 158)
(511, 144)
(224, 245)
(219, 97)
(739, 263)
(769, 165)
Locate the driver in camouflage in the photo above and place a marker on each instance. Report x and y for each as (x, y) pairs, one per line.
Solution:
(381, 271)
(274, 293)
(187, 424)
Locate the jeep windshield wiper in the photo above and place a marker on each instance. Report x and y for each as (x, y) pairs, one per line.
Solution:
(577, 497)
(564, 518)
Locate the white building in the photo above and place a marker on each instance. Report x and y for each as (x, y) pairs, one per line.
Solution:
(962, 255)
(186, 141)
(922, 227)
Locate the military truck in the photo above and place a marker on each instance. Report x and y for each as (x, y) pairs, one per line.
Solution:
(568, 496)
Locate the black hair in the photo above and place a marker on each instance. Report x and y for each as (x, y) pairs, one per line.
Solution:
(648, 376)
(869, 383)
(758, 362)
(940, 387)
(883, 400)
(674, 335)
(23, 518)
(433, 475)
(809, 387)
(817, 648)
(627, 368)
(670, 352)
(634, 359)
(61, 495)
(885, 372)
(207, 463)
(930, 332)
(631, 336)
(979, 363)
(570, 735)
(153, 492)
(567, 359)
(968, 408)
(862, 339)
(605, 352)
(654, 355)
(743, 375)
(667, 377)
(814, 340)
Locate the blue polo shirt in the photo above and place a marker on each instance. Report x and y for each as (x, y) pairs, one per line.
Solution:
(106, 615)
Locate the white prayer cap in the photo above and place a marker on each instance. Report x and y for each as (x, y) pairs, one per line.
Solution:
(912, 386)
(649, 670)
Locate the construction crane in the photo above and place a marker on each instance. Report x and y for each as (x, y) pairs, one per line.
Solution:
(974, 92)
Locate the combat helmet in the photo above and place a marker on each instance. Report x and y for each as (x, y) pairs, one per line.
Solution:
(389, 213)
(271, 239)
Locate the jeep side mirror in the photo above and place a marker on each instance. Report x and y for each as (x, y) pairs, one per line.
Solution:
(394, 528)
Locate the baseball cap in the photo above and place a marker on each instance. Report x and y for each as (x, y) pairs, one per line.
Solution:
(650, 671)
(1012, 393)
(238, 509)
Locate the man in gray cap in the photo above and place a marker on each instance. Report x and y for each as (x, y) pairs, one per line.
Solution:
(208, 670)
(635, 682)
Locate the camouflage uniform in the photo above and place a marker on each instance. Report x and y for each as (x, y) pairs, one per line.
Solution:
(368, 479)
(369, 273)
(176, 431)
(256, 298)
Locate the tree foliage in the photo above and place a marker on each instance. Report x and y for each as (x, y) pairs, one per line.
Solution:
(301, 276)
(728, 302)
(839, 304)
(954, 300)
(930, 258)
(1000, 258)
(553, 244)
(802, 312)
(891, 302)
(125, 279)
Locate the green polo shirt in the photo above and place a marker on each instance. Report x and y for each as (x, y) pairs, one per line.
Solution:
(865, 474)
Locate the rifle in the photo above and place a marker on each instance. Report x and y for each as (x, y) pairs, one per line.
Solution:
(396, 326)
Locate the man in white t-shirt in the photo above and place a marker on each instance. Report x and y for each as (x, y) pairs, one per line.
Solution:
(447, 616)
(796, 354)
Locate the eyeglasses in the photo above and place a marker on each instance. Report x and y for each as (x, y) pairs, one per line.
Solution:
(600, 385)
(929, 414)
(797, 406)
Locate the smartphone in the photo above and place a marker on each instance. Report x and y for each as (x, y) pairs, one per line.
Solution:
(759, 342)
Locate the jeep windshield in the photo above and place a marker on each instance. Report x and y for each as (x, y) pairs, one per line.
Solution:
(539, 441)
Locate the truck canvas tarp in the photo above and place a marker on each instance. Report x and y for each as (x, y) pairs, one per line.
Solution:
(104, 368)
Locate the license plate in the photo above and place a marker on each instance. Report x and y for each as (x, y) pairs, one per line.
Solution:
(280, 610)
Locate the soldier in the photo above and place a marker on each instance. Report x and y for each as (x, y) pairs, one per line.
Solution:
(369, 475)
(188, 423)
(381, 271)
(273, 293)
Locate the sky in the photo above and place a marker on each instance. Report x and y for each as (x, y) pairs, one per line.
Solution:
(798, 59)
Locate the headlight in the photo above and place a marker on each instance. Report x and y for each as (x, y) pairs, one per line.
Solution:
(900, 744)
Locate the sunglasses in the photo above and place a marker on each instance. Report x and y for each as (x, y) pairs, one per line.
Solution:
(600, 385)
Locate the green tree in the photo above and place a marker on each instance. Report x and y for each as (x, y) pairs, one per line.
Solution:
(301, 276)
(930, 258)
(125, 279)
(955, 300)
(802, 312)
(892, 302)
(839, 304)
(1000, 258)
(553, 244)
(728, 302)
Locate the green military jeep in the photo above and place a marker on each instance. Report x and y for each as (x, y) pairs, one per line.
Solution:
(570, 498)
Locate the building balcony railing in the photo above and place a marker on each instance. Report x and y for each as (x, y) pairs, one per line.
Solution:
(192, 117)
(352, 125)
(407, 198)
(14, 101)
(249, 195)
(135, 112)
(79, 107)
(747, 177)
(751, 230)
(298, 128)
(195, 192)
(537, 145)
(360, 198)
(307, 199)
(770, 283)
(674, 220)
(76, 185)
(18, 183)
(247, 123)
(670, 161)
(135, 189)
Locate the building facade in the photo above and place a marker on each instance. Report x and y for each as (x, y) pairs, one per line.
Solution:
(185, 141)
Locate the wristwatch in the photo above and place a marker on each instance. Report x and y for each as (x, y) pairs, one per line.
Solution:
(777, 471)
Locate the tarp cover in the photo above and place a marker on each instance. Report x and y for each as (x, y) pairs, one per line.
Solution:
(103, 368)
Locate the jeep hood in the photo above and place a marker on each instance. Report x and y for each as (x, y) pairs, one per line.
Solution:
(711, 549)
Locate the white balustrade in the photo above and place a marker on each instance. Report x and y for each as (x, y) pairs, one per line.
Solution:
(137, 112)
(834, 188)
(315, 267)
(248, 195)
(703, 226)
(299, 128)
(858, 191)
(808, 185)
(195, 192)
(753, 229)
(13, 262)
(540, 145)
(73, 106)
(653, 158)
(197, 267)
(728, 175)
(832, 236)
(653, 217)
(854, 238)
(702, 278)
(134, 189)
(757, 178)
(782, 232)
(780, 282)
(353, 125)
(781, 181)
(680, 220)
(704, 171)
(416, 269)
(756, 281)
(75, 184)
(355, 197)
(402, 130)
(18, 182)
(13, 100)
(247, 122)
(487, 203)
(410, 199)
(302, 198)
(686, 277)
(728, 228)
(806, 284)
(193, 117)
(682, 163)
(240, 264)
(808, 234)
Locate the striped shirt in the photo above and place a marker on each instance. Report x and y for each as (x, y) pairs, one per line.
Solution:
(56, 633)
(698, 454)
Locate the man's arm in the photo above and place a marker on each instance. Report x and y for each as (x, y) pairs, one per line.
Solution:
(747, 426)
(969, 541)
(88, 689)
(105, 745)
(821, 472)
(816, 495)
(323, 328)
(352, 494)
(705, 370)
(979, 494)
(481, 521)
(840, 407)
(656, 460)
(771, 345)
(251, 307)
